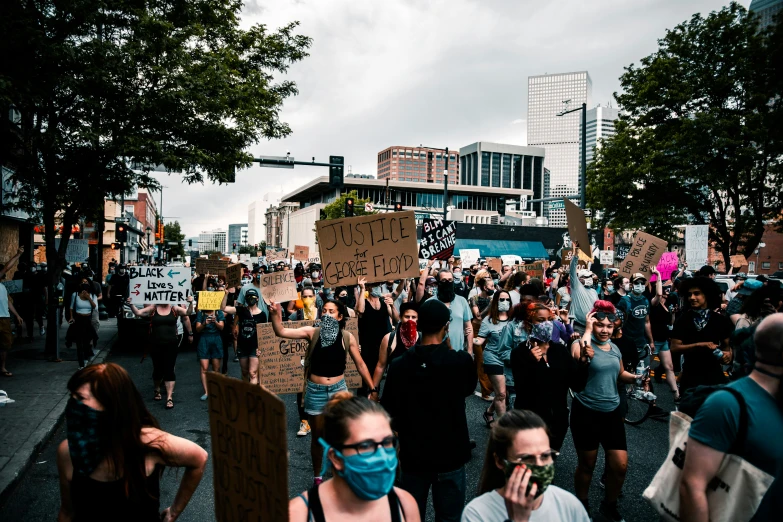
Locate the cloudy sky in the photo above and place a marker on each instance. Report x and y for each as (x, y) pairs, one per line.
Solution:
(432, 72)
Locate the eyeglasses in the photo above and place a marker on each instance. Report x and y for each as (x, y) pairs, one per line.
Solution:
(547, 457)
(369, 447)
(603, 315)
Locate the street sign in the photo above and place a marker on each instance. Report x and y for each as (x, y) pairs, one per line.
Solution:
(588, 212)
(276, 162)
(554, 205)
(121, 220)
(368, 207)
(172, 243)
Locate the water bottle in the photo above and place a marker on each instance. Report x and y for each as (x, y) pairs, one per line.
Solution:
(639, 372)
(717, 352)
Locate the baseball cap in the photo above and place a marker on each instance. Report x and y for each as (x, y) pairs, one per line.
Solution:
(252, 292)
(637, 276)
(749, 286)
(707, 270)
(584, 273)
(433, 315)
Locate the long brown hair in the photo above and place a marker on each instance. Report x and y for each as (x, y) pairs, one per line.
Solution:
(126, 413)
(504, 430)
(492, 310)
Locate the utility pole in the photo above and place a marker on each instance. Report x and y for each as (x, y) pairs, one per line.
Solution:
(122, 220)
(583, 182)
(446, 186)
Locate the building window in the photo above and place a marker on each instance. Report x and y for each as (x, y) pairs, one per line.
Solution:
(506, 173)
(527, 181)
(496, 169)
(765, 265)
(516, 168)
(485, 161)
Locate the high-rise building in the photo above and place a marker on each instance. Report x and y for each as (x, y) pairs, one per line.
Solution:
(213, 240)
(418, 164)
(558, 135)
(237, 233)
(600, 124)
(766, 10)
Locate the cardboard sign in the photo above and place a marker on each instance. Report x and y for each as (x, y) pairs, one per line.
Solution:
(280, 360)
(13, 287)
(621, 252)
(495, 263)
(469, 256)
(668, 264)
(533, 270)
(210, 300)
(159, 285)
(234, 275)
(738, 260)
(696, 245)
(213, 266)
(77, 251)
(566, 257)
(607, 257)
(249, 451)
(379, 247)
(577, 228)
(437, 239)
(301, 253)
(279, 287)
(244, 258)
(646, 251)
(215, 257)
(276, 254)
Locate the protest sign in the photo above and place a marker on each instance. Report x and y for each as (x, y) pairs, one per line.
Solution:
(577, 229)
(279, 287)
(621, 252)
(13, 287)
(249, 456)
(301, 253)
(566, 256)
(210, 300)
(437, 239)
(378, 247)
(213, 266)
(276, 254)
(696, 246)
(534, 269)
(469, 256)
(244, 258)
(234, 275)
(254, 260)
(280, 360)
(667, 265)
(215, 256)
(646, 250)
(738, 261)
(495, 263)
(77, 251)
(607, 257)
(159, 285)
(511, 259)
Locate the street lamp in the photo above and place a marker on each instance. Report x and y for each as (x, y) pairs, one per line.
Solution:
(149, 250)
(583, 184)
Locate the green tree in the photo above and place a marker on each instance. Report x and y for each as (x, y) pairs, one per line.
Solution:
(105, 89)
(247, 249)
(173, 233)
(336, 209)
(699, 140)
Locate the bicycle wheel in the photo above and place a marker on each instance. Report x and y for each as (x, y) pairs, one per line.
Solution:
(637, 409)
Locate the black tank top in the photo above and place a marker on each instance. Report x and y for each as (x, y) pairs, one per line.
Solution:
(164, 328)
(328, 361)
(97, 501)
(316, 510)
(373, 326)
(399, 347)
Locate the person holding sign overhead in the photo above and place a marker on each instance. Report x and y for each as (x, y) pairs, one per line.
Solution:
(376, 312)
(324, 365)
(209, 323)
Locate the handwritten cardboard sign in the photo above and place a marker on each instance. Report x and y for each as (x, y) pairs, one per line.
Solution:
(279, 287)
(738, 260)
(577, 228)
(280, 360)
(495, 263)
(646, 250)
(667, 265)
(210, 300)
(567, 255)
(534, 269)
(77, 251)
(696, 245)
(437, 239)
(214, 257)
(234, 275)
(276, 254)
(621, 252)
(213, 266)
(606, 257)
(159, 285)
(249, 451)
(378, 247)
(301, 253)
(469, 256)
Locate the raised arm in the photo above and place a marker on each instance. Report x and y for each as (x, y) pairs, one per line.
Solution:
(360, 295)
(276, 316)
(140, 312)
(423, 282)
(11, 262)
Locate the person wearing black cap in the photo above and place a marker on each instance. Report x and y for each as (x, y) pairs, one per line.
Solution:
(256, 284)
(434, 440)
(244, 331)
(707, 271)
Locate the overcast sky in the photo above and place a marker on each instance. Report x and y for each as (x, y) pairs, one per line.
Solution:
(432, 72)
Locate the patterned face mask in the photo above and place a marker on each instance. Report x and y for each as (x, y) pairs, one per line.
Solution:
(86, 436)
(330, 327)
(408, 333)
(701, 318)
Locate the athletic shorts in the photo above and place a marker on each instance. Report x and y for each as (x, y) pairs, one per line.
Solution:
(493, 369)
(317, 395)
(591, 428)
(210, 346)
(245, 352)
(661, 346)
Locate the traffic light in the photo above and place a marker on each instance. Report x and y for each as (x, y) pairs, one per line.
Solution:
(190, 243)
(235, 246)
(115, 246)
(502, 205)
(336, 171)
(398, 207)
(121, 233)
(349, 207)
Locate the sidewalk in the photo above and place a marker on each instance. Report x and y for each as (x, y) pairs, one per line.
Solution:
(38, 387)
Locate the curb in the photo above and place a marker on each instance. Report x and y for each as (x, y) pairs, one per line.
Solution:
(23, 459)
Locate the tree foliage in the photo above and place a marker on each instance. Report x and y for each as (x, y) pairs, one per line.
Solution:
(336, 209)
(172, 232)
(699, 140)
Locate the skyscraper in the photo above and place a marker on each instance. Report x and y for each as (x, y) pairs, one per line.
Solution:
(766, 10)
(600, 124)
(558, 135)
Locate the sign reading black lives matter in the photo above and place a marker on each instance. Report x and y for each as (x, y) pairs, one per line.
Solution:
(159, 285)
(437, 239)
(379, 247)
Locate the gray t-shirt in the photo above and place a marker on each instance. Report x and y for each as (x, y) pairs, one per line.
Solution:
(460, 314)
(494, 352)
(558, 506)
(600, 393)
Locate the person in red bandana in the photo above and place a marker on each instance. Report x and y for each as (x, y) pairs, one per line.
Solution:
(397, 342)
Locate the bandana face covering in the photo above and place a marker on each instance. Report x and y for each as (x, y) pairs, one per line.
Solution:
(330, 327)
(701, 318)
(408, 333)
(85, 436)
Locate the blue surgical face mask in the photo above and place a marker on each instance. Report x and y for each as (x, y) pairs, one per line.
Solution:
(370, 477)
(376, 291)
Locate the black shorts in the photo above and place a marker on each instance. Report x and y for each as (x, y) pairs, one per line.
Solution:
(591, 428)
(493, 369)
(244, 351)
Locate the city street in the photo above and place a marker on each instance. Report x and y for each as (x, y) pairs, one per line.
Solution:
(36, 495)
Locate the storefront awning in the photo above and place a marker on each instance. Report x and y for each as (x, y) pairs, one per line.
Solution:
(495, 248)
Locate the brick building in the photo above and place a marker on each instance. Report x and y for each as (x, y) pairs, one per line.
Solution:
(417, 164)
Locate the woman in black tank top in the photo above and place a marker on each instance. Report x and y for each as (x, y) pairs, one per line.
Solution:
(111, 463)
(361, 448)
(325, 367)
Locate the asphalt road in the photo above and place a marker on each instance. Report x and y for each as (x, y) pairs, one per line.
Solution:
(36, 497)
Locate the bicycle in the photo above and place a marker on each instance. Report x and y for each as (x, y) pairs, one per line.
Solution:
(640, 400)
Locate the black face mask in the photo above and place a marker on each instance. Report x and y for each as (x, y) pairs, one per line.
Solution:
(446, 291)
(86, 432)
(252, 301)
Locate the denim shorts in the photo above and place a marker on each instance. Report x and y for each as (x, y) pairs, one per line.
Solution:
(318, 395)
(661, 346)
(210, 346)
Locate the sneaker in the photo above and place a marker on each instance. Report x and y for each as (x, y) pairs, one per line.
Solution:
(610, 512)
(304, 429)
(204, 397)
(43, 331)
(236, 359)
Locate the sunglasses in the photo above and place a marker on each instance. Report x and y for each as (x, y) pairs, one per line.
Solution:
(603, 315)
(504, 300)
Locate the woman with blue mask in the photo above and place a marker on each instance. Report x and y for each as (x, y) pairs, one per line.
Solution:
(495, 353)
(361, 450)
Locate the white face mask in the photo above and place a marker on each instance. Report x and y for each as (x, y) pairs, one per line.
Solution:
(627, 286)
(588, 283)
(638, 288)
(504, 306)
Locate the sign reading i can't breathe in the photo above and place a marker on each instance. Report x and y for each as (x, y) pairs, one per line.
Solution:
(378, 247)
(159, 285)
(437, 239)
